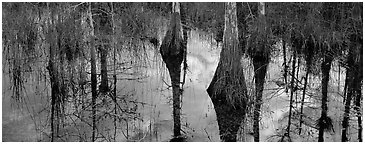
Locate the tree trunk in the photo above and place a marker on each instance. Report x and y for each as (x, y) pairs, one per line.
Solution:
(242, 25)
(346, 118)
(358, 108)
(104, 68)
(176, 92)
(172, 52)
(260, 61)
(302, 101)
(353, 89)
(339, 78)
(93, 75)
(227, 89)
(285, 67)
(297, 82)
(359, 78)
(83, 73)
(53, 73)
(114, 73)
(103, 31)
(345, 121)
(345, 88)
(260, 68)
(325, 122)
(308, 58)
(291, 93)
(52, 69)
(183, 14)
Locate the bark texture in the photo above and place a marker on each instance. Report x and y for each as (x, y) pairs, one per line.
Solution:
(172, 52)
(346, 118)
(353, 91)
(93, 75)
(227, 89)
(325, 122)
(260, 62)
(260, 59)
(103, 30)
(104, 68)
(53, 73)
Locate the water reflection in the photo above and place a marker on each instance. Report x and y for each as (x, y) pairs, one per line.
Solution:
(198, 115)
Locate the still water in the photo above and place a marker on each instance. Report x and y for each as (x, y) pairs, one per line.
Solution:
(198, 115)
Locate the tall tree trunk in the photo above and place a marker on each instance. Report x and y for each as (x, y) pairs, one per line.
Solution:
(339, 77)
(353, 89)
(52, 69)
(93, 75)
(104, 67)
(358, 82)
(302, 101)
(53, 73)
(297, 82)
(347, 100)
(241, 23)
(54, 93)
(227, 89)
(308, 58)
(260, 67)
(325, 123)
(358, 108)
(285, 66)
(104, 30)
(83, 71)
(291, 93)
(260, 61)
(114, 73)
(345, 121)
(185, 29)
(353, 83)
(172, 51)
(345, 88)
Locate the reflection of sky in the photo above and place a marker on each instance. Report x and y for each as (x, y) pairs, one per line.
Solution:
(198, 114)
